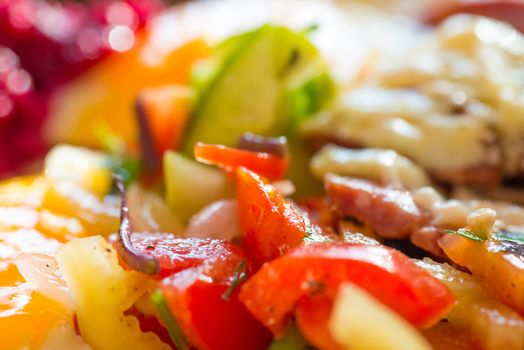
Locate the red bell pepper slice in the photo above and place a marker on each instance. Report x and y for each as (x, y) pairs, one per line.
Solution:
(208, 311)
(319, 269)
(270, 224)
(265, 164)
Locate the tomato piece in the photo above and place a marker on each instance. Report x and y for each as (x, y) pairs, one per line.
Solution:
(270, 225)
(510, 11)
(151, 323)
(167, 110)
(265, 164)
(209, 320)
(319, 269)
(320, 212)
(175, 254)
(312, 318)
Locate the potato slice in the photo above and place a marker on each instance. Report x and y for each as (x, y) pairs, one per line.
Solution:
(359, 322)
(84, 167)
(103, 291)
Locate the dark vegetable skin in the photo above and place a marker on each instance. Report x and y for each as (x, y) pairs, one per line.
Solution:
(150, 156)
(256, 143)
(132, 256)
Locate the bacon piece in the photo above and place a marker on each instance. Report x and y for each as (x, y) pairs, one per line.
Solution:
(390, 212)
(427, 238)
(482, 175)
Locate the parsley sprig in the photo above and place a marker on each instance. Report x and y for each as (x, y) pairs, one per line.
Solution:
(239, 277)
(468, 234)
(501, 235)
(169, 320)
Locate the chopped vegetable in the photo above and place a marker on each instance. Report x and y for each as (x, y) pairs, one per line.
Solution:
(312, 318)
(129, 254)
(176, 254)
(361, 322)
(150, 157)
(82, 166)
(265, 164)
(28, 317)
(167, 111)
(498, 264)
(103, 291)
(256, 143)
(467, 234)
(269, 223)
(216, 220)
(293, 340)
(268, 62)
(507, 235)
(190, 185)
(41, 273)
(150, 212)
(477, 313)
(69, 200)
(119, 160)
(195, 298)
(239, 277)
(169, 321)
(319, 269)
(99, 97)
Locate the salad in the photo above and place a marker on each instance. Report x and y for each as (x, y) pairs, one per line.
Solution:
(281, 175)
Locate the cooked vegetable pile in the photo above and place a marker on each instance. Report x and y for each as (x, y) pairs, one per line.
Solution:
(224, 210)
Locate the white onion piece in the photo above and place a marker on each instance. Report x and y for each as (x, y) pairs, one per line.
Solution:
(285, 187)
(216, 220)
(43, 276)
(64, 337)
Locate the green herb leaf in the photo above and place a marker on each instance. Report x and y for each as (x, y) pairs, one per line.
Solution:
(169, 321)
(119, 163)
(239, 277)
(468, 234)
(517, 237)
(311, 28)
(293, 340)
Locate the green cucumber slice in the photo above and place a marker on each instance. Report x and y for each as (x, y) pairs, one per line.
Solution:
(247, 82)
(191, 185)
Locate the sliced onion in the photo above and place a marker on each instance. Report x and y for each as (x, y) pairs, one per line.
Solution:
(285, 187)
(274, 145)
(131, 256)
(64, 337)
(216, 220)
(42, 274)
(150, 157)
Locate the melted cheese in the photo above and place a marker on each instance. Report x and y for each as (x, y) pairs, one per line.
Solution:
(410, 123)
(454, 102)
(385, 166)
